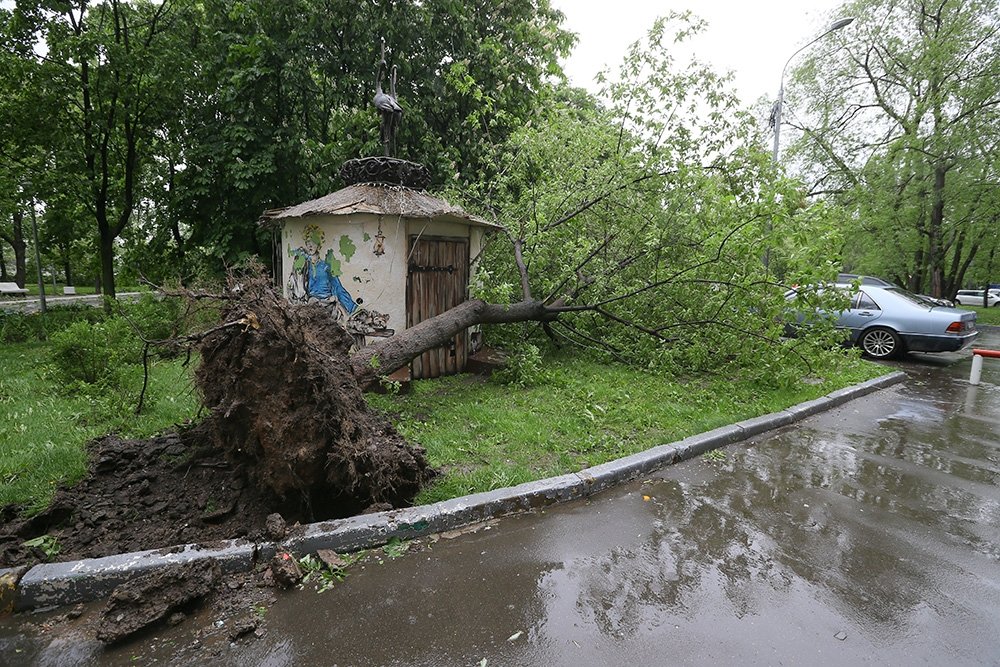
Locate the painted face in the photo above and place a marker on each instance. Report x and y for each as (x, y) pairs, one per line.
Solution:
(312, 239)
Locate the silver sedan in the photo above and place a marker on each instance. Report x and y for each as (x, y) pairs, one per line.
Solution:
(888, 321)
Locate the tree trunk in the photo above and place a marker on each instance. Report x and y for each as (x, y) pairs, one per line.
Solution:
(916, 282)
(935, 259)
(16, 241)
(107, 276)
(175, 229)
(959, 267)
(20, 249)
(390, 354)
(285, 398)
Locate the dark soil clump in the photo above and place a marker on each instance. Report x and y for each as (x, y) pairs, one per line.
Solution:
(288, 431)
(142, 494)
(286, 406)
(149, 599)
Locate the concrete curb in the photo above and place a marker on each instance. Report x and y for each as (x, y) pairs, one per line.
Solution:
(56, 584)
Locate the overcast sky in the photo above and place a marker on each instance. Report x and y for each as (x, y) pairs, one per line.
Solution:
(753, 39)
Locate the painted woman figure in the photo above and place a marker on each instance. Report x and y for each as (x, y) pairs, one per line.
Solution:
(319, 279)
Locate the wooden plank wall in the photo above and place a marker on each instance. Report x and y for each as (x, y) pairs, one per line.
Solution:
(437, 280)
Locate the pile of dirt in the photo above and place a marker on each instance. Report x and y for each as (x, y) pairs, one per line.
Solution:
(288, 431)
(148, 599)
(137, 495)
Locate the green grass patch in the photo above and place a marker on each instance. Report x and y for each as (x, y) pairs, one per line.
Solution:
(484, 435)
(985, 315)
(45, 430)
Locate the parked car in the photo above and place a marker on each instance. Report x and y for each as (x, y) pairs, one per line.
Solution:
(885, 322)
(974, 297)
(848, 278)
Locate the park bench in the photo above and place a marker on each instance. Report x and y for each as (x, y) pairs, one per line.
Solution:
(12, 289)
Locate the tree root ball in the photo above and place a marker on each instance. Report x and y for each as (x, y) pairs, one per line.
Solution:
(285, 404)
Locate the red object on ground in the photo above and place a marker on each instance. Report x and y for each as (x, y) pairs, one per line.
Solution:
(995, 354)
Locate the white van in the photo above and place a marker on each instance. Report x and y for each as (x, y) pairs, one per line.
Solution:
(974, 297)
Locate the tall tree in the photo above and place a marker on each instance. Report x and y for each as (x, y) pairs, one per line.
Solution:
(26, 106)
(115, 65)
(902, 123)
(284, 93)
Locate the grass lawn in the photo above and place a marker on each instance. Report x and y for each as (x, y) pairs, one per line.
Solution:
(483, 435)
(486, 436)
(44, 430)
(985, 315)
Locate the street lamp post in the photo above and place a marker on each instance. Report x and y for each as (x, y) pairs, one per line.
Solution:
(836, 25)
(776, 113)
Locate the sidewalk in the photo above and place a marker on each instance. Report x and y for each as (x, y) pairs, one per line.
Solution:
(32, 304)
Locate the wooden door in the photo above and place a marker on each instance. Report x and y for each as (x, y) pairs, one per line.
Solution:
(437, 279)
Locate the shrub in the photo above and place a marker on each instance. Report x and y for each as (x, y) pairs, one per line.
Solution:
(524, 367)
(16, 328)
(114, 398)
(100, 362)
(60, 317)
(92, 353)
(25, 327)
(157, 318)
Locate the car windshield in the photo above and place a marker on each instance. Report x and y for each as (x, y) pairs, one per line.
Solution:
(913, 298)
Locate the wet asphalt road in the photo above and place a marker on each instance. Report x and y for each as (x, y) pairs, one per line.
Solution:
(866, 535)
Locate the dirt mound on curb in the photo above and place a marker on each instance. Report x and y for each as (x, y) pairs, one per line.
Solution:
(137, 495)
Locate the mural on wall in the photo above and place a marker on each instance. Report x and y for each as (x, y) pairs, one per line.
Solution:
(315, 277)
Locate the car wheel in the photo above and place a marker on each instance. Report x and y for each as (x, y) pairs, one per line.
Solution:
(881, 343)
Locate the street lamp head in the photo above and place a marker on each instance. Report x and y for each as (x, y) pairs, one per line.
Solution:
(840, 23)
(776, 112)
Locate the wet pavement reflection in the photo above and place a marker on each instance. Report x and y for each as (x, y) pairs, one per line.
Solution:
(867, 534)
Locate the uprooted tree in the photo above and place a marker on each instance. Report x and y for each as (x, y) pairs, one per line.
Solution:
(285, 403)
(637, 230)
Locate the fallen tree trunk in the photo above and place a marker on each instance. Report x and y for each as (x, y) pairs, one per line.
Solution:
(393, 353)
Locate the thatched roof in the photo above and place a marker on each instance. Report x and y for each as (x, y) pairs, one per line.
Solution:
(377, 199)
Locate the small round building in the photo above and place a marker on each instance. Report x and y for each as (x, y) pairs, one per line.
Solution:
(383, 254)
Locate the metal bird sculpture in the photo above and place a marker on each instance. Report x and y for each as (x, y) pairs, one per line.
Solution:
(386, 104)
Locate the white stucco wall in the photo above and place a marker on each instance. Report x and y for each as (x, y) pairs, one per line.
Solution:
(378, 282)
